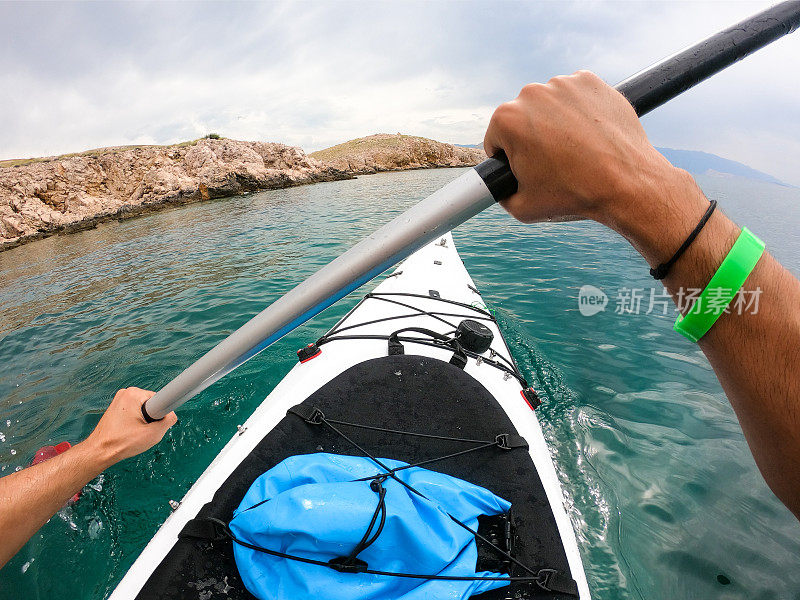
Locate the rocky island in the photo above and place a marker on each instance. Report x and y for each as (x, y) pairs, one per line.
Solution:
(396, 152)
(41, 197)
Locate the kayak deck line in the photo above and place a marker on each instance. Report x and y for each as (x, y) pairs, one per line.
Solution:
(449, 341)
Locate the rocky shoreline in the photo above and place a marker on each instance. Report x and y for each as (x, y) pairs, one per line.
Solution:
(67, 194)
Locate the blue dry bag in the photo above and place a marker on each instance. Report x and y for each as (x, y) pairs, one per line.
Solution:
(312, 506)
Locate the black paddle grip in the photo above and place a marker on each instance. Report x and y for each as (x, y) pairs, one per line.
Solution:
(671, 77)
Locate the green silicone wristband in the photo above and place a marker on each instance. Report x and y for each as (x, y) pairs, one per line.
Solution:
(722, 288)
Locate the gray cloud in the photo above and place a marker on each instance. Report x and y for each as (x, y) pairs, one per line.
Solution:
(79, 75)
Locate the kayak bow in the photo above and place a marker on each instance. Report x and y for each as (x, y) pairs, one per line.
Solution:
(419, 372)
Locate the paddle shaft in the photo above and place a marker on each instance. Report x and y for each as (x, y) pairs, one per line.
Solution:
(463, 198)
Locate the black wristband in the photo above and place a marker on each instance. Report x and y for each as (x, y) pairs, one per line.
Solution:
(661, 270)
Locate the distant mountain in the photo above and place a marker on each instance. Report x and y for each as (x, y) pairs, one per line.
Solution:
(700, 163)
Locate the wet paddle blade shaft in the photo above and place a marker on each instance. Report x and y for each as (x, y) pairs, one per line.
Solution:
(460, 200)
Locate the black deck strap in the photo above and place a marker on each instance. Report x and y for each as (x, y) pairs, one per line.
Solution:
(424, 331)
(499, 530)
(495, 444)
(411, 433)
(309, 414)
(549, 580)
(203, 529)
(662, 270)
(345, 564)
(395, 347)
(459, 359)
(351, 563)
(509, 441)
(555, 581)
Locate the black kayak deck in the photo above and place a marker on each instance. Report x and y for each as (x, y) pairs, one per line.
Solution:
(404, 392)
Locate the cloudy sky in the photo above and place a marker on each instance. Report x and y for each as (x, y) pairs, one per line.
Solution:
(84, 75)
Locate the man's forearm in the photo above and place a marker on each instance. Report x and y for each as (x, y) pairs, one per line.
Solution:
(755, 355)
(30, 497)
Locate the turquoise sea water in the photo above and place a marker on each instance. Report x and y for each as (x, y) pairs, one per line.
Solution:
(664, 495)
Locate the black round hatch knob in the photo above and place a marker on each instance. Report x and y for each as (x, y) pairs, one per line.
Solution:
(474, 336)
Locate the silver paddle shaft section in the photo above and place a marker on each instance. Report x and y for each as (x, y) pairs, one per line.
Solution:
(460, 200)
(447, 208)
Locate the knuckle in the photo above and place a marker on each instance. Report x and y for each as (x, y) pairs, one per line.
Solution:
(586, 75)
(532, 90)
(504, 113)
(505, 109)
